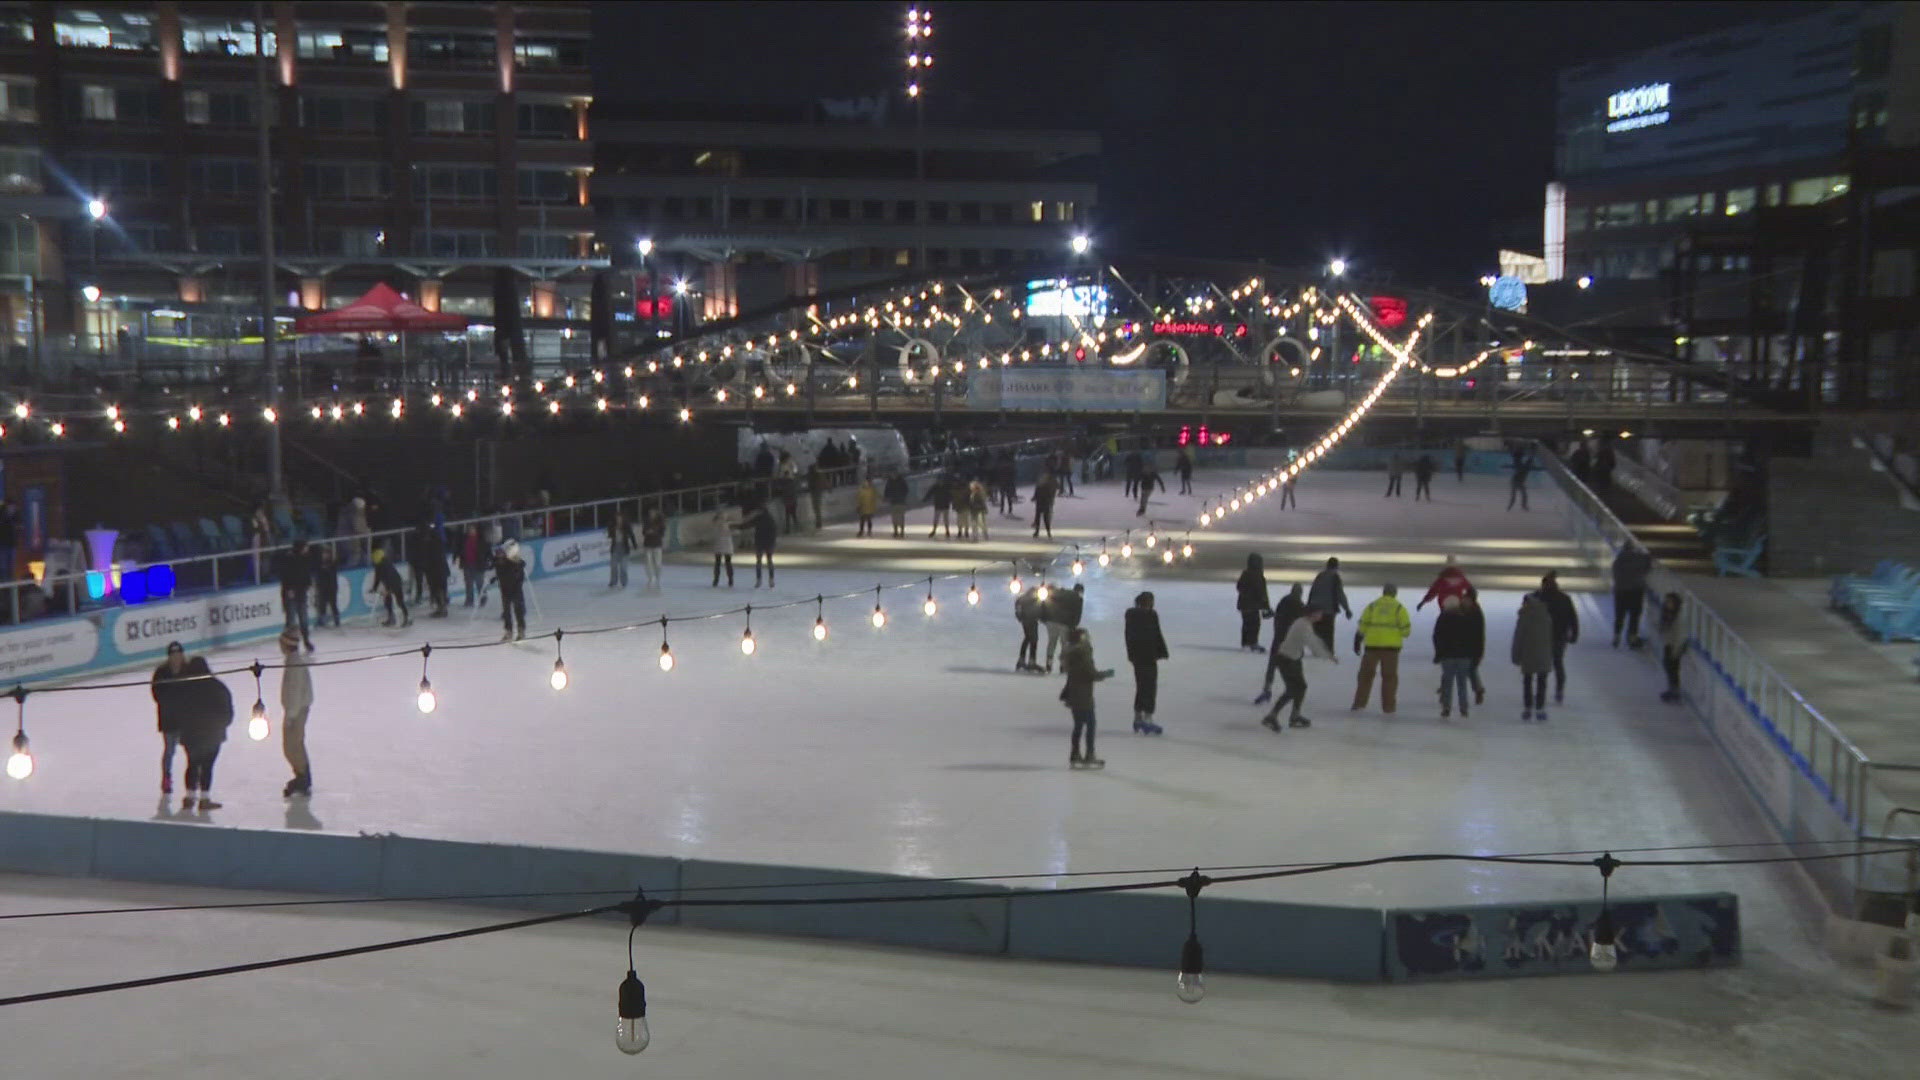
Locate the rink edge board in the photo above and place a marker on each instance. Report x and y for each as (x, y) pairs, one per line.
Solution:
(1254, 937)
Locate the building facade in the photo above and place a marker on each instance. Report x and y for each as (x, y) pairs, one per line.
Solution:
(739, 209)
(1740, 194)
(440, 147)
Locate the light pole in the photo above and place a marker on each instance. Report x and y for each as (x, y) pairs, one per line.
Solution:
(1335, 270)
(919, 61)
(263, 146)
(644, 246)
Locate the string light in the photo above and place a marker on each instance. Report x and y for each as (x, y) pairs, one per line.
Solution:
(819, 618)
(930, 607)
(20, 762)
(1605, 953)
(666, 654)
(257, 722)
(558, 680)
(1078, 567)
(746, 638)
(973, 590)
(426, 701)
(1191, 985)
(1105, 559)
(879, 613)
(1126, 547)
(1166, 556)
(1044, 592)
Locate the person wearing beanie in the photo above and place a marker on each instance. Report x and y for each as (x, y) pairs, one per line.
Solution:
(1146, 647)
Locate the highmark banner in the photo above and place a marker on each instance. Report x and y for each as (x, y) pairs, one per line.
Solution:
(1068, 390)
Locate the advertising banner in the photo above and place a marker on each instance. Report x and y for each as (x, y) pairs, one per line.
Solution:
(48, 646)
(1068, 390)
(575, 551)
(1507, 940)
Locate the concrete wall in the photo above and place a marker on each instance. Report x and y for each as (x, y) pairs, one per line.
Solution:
(1833, 513)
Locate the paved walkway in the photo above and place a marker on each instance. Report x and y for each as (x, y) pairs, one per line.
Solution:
(1867, 689)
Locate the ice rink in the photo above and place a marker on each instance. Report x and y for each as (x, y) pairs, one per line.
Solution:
(916, 749)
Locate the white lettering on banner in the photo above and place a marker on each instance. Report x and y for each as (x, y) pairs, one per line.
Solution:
(1640, 107)
(51, 647)
(563, 553)
(1069, 390)
(209, 619)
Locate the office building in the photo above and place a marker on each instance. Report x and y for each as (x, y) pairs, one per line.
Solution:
(440, 147)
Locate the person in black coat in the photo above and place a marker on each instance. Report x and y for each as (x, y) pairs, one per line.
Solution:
(173, 702)
(510, 574)
(1146, 647)
(1290, 607)
(326, 584)
(209, 713)
(1423, 470)
(294, 567)
(386, 581)
(1062, 611)
(766, 530)
(1253, 602)
(1566, 630)
(1459, 641)
(429, 557)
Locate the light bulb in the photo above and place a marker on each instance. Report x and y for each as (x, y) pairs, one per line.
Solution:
(879, 616)
(1078, 567)
(558, 680)
(631, 1035)
(1152, 540)
(427, 701)
(1234, 505)
(1167, 556)
(1105, 559)
(1186, 551)
(1126, 551)
(1206, 519)
(1191, 986)
(1604, 954)
(929, 607)
(666, 657)
(820, 629)
(1013, 586)
(20, 765)
(1044, 592)
(746, 644)
(257, 723)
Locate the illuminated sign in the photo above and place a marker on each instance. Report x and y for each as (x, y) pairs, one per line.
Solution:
(1057, 298)
(1640, 107)
(1389, 311)
(1508, 293)
(1200, 329)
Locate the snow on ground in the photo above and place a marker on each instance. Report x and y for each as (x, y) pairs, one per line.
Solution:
(540, 1003)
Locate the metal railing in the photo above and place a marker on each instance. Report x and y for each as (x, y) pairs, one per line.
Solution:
(1832, 759)
(254, 565)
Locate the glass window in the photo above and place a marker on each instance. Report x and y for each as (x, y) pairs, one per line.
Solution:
(906, 210)
(1740, 201)
(367, 45)
(223, 37)
(1577, 219)
(229, 240)
(343, 113)
(459, 183)
(740, 209)
(773, 209)
(1893, 272)
(549, 186)
(536, 244)
(550, 53)
(1682, 206)
(970, 213)
(1063, 211)
(17, 101)
(839, 209)
(218, 108)
(455, 243)
(105, 27)
(1616, 215)
(98, 103)
(452, 116)
(120, 104)
(110, 175)
(1003, 213)
(16, 25)
(1815, 189)
(356, 243)
(903, 257)
(547, 121)
(20, 170)
(348, 181)
(226, 176)
(1037, 210)
(872, 210)
(937, 211)
(19, 247)
(453, 49)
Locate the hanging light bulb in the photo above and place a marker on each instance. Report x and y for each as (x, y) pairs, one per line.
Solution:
(820, 629)
(20, 763)
(929, 607)
(257, 723)
(1605, 952)
(1044, 592)
(427, 701)
(1078, 566)
(558, 680)
(973, 595)
(666, 654)
(632, 1036)
(1206, 518)
(1167, 556)
(1186, 551)
(1013, 584)
(1105, 559)
(1126, 549)
(746, 642)
(879, 613)
(1234, 504)
(1153, 539)
(1191, 985)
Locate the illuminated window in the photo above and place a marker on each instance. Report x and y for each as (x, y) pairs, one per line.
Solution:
(213, 108)
(1815, 189)
(1682, 206)
(367, 45)
(1038, 210)
(903, 257)
(17, 101)
(1740, 200)
(20, 170)
(1063, 211)
(453, 116)
(550, 53)
(98, 103)
(104, 28)
(222, 37)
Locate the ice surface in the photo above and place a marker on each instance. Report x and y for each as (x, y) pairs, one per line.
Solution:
(917, 750)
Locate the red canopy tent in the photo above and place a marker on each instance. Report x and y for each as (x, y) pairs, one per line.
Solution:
(381, 311)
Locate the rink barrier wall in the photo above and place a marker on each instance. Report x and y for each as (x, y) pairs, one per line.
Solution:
(1144, 929)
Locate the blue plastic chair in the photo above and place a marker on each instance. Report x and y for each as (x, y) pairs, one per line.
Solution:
(236, 533)
(211, 536)
(316, 525)
(1739, 561)
(185, 540)
(159, 544)
(283, 521)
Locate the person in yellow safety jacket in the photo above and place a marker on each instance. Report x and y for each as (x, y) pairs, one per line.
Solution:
(1384, 627)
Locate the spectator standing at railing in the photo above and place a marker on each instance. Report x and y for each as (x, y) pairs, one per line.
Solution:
(1630, 569)
(294, 567)
(653, 543)
(1673, 645)
(260, 535)
(326, 585)
(473, 560)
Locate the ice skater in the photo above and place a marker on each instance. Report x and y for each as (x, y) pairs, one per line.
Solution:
(1287, 500)
(1183, 467)
(1630, 570)
(1533, 655)
(766, 531)
(386, 581)
(1330, 596)
(1077, 661)
(510, 575)
(1423, 470)
(977, 501)
(1062, 610)
(1252, 601)
(1028, 609)
(1458, 643)
(1146, 647)
(1383, 630)
(1290, 608)
(866, 501)
(173, 705)
(1396, 467)
(210, 713)
(1289, 656)
(326, 585)
(296, 699)
(1450, 582)
(1566, 630)
(653, 543)
(1043, 496)
(294, 568)
(898, 495)
(1149, 476)
(940, 497)
(620, 545)
(1522, 466)
(723, 539)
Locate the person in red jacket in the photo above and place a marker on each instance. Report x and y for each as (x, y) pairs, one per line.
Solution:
(1452, 581)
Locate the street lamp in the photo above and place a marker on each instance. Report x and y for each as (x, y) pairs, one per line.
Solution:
(1080, 243)
(91, 293)
(645, 246)
(1337, 267)
(96, 208)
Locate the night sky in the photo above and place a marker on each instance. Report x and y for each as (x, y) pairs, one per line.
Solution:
(1410, 138)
